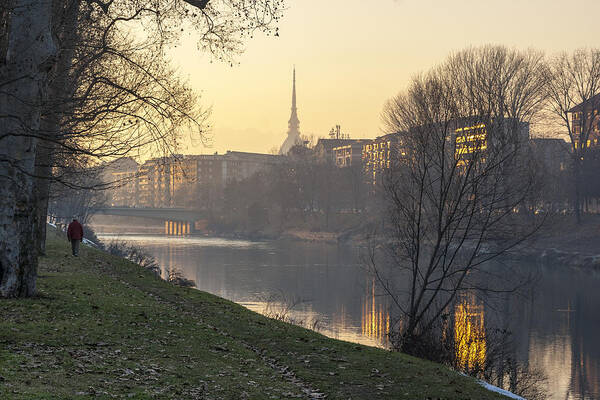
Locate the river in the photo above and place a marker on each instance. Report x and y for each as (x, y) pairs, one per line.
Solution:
(556, 326)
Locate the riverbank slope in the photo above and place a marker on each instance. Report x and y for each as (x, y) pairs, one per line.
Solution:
(103, 327)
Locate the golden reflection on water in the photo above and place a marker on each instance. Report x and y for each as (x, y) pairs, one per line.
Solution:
(375, 319)
(171, 263)
(469, 333)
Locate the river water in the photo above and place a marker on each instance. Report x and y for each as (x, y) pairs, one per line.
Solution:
(555, 326)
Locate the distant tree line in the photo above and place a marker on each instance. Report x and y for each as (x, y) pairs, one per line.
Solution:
(305, 192)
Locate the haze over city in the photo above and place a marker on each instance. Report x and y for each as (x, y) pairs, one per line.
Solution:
(352, 56)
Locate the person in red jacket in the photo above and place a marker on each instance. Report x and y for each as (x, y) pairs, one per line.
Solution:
(75, 235)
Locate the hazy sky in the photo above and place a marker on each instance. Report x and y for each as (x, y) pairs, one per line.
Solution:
(351, 56)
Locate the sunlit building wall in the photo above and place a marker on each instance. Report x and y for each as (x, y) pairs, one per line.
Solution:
(195, 181)
(585, 132)
(468, 141)
(121, 176)
(147, 182)
(476, 139)
(380, 154)
(241, 165)
(585, 123)
(183, 177)
(349, 154)
(324, 149)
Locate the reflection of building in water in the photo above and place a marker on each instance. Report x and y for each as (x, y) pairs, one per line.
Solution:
(552, 353)
(585, 368)
(340, 324)
(469, 333)
(584, 373)
(375, 321)
(164, 273)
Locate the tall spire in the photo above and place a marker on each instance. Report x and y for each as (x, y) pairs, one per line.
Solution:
(294, 122)
(294, 93)
(293, 133)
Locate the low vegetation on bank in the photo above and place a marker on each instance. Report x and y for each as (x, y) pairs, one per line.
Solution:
(103, 327)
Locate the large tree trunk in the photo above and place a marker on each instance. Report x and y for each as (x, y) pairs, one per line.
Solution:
(30, 56)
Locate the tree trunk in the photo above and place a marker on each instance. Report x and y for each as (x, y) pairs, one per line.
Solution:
(578, 181)
(30, 55)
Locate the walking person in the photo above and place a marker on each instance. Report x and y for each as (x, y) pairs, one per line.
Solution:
(75, 235)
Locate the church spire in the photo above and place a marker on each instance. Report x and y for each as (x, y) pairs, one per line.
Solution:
(294, 122)
(294, 93)
(293, 133)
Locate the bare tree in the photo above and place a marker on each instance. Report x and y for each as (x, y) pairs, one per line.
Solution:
(109, 96)
(463, 129)
(79, 198)
(574, 99)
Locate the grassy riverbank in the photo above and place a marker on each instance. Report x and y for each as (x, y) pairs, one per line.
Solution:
(101, 327)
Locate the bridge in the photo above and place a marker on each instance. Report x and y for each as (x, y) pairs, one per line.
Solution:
(178, 221)
(175, 214)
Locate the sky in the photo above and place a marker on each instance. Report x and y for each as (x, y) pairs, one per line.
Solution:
(351, 56)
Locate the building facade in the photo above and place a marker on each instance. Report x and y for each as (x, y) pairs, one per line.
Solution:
(121, 177)
(478, 138)
(324, 149)
(155, 183)
(349, 154)
(192, 181)
(585, 124)
(380, 154)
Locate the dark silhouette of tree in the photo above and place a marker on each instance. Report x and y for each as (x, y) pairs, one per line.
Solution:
(574, 99)
(451, 198)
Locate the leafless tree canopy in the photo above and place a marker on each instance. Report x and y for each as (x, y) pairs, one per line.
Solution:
(574, 80)
(463, 174)
(115, 92)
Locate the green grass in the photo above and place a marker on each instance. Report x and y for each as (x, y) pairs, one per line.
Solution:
(102, 327)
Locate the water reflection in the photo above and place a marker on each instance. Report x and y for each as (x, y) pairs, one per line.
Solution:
(564, 326)
(375, 318)
(181, 242)
(555, 328)
(469, 333)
